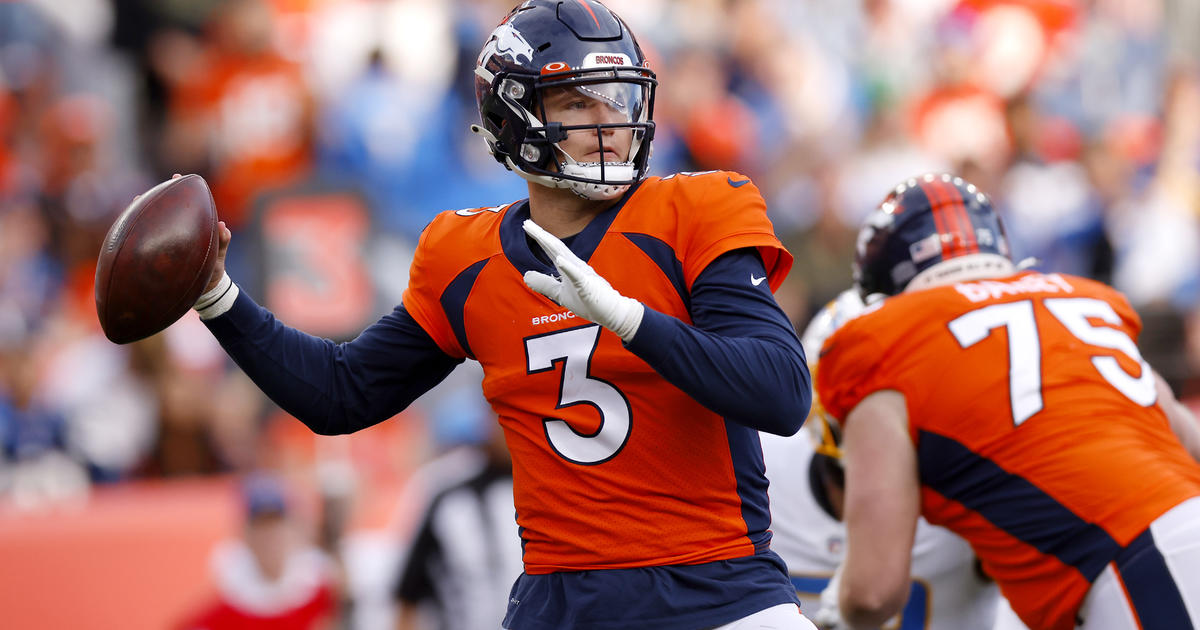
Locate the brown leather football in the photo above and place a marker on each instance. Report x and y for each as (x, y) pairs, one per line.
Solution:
(156, 259)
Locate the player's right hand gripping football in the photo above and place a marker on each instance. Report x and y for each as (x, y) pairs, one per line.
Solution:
(219, 285)
(223, 238)
(220, 292)
(580, 289)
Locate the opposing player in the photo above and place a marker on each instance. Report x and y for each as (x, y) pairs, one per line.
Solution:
(630, 343)
(1014, 409)
(946, 592)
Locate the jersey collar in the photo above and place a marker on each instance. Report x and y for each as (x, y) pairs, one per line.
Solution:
(519, 250)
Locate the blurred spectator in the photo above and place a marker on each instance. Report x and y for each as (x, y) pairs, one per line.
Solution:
(397, 138)
(206, 424)
(1048, 206)
(240, 112)
(35, 469)
(271, 578)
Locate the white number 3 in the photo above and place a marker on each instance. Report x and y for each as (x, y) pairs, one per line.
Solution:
(574, 347)
(1025, 351)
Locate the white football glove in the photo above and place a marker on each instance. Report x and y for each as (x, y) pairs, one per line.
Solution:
(581, 289)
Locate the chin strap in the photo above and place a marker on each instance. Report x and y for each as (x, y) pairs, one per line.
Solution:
(592, 170)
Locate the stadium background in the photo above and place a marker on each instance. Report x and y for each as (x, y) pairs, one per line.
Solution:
(333, 130)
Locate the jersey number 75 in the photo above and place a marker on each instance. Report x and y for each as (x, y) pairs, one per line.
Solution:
(1025, 347)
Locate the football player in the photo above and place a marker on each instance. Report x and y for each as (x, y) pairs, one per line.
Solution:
(1013, 408)
(631, 345)
(946, 592)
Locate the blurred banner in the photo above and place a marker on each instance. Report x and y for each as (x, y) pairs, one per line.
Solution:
(312, 245)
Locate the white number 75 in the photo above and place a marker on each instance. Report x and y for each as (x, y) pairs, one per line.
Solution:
(1025, 350)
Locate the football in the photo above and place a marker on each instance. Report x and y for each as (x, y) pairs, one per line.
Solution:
(156, 259)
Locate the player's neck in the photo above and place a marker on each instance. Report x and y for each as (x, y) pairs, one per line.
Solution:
(561, 212)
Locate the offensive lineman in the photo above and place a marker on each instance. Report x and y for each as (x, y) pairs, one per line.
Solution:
(1013, 408)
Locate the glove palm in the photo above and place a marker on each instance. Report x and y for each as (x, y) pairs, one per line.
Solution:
(580, 289)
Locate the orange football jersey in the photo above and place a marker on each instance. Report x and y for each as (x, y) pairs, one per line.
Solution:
(613, 467)
(1035, 419)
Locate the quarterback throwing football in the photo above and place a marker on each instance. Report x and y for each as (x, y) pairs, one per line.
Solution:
(630, 342)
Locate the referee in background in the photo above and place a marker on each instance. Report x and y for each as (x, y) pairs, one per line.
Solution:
(461, 565)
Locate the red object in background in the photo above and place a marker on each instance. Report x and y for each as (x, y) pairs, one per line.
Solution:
(963, 123)
(1054, 15)
(316, 277)
(720, 134)
(8, 116)
(1134, 137)
(1058, 140)
(135, 556)
(1012, 42)
(315, 613)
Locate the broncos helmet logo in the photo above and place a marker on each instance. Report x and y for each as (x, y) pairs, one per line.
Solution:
(507, 42)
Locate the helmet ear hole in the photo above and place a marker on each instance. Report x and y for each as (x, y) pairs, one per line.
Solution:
(513, 89)
(530, 153)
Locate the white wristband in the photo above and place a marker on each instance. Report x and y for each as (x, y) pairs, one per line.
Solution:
(217, 300)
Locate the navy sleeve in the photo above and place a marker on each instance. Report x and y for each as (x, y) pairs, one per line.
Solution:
(741, 358)
(333, 388)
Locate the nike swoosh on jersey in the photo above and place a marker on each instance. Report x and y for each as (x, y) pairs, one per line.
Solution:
(756, 281)
(737, 184)
(472, 212)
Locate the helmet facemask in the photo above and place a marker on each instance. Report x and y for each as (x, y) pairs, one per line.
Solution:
(625, 94)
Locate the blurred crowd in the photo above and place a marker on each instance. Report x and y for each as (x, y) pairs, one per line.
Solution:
(331, 131)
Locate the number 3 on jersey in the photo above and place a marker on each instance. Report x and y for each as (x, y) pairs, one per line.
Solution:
(1025, 347)
(573, 347)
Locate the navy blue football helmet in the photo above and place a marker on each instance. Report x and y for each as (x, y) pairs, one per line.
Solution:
(576, 44)
(923, 222)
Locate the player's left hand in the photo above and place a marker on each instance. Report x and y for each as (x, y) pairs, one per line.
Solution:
(581, 289)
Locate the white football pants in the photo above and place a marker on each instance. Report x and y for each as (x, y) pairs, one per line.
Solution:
(781, 617)
(1155, 583)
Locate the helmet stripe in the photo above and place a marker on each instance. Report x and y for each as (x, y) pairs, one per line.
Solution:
(590, 12)
(938, 211)
(946, 204)
(970, 244)
(962, 225)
